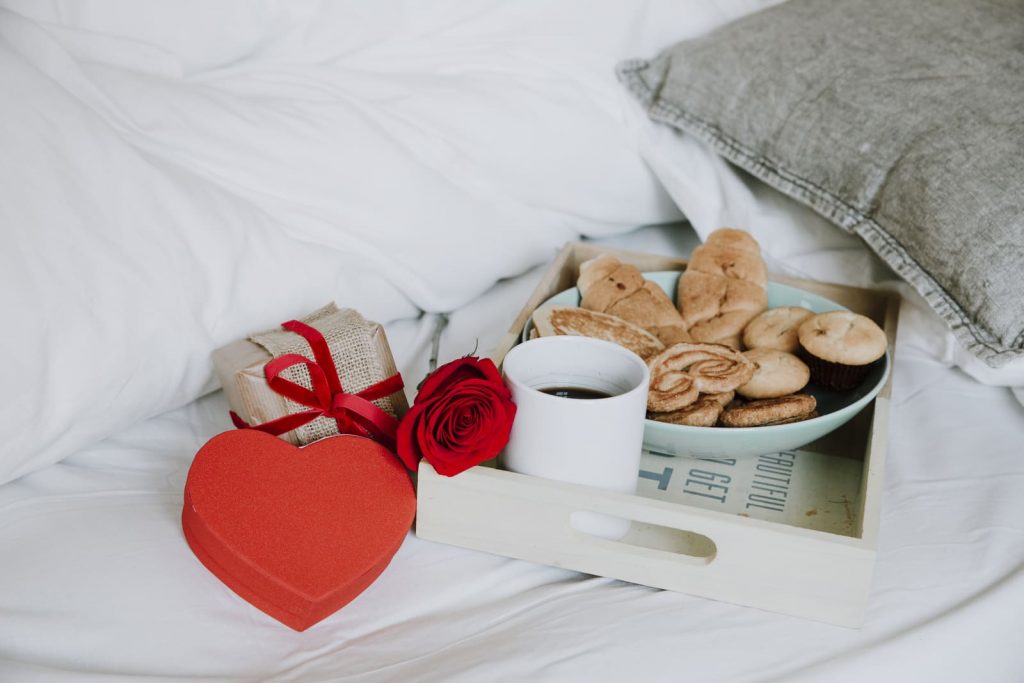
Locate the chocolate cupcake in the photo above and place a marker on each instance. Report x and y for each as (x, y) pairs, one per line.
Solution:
(839, 347)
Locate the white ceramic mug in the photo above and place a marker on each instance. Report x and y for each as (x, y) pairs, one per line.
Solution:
(590, 441)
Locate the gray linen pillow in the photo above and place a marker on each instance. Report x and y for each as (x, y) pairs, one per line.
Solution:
(899, 120)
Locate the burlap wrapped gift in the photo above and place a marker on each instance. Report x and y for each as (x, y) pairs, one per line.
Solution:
(360, 351)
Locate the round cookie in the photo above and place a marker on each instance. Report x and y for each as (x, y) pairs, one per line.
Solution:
(778, 373)
(770, 411)
(776, 328)
(839, 346)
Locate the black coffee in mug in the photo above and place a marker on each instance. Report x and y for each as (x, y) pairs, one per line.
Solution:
(575, 392)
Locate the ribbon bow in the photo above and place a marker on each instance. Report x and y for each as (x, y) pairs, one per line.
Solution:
(354, 413)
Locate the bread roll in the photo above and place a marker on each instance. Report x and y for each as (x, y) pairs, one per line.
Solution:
(723, 288)
(609, 286)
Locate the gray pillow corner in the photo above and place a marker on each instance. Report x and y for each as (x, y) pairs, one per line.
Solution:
(885, 131)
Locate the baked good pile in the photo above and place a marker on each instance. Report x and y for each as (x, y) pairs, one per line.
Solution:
(722, 358)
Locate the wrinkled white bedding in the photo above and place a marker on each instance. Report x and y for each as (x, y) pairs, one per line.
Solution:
(162, 177)
(177, 175)
(97, 582)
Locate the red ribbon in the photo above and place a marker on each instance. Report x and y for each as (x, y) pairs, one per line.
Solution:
(354, 413)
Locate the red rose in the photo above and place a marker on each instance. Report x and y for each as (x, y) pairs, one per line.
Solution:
(462, 416)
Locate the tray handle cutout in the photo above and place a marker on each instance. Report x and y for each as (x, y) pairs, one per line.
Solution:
(679, 545)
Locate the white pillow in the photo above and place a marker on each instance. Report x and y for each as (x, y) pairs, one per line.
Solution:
(177, 175)
(120, 270)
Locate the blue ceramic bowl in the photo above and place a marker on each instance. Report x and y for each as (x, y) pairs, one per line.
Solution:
(835, 408)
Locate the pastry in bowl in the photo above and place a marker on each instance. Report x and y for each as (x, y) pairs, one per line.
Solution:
(680, 373)
(723, 288)
(609, 286)
(552, 320)
(839, 347)
(776, 373)
(776, 328)
(697, 429)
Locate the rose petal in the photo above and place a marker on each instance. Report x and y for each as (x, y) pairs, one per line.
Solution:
(456, 371)
(406, 443)
(489, 371)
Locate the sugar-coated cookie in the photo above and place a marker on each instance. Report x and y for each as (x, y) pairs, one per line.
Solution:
(777, 374)
(770, 411)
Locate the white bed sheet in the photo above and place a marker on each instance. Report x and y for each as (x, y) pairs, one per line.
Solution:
(97, 583)
(176, 175)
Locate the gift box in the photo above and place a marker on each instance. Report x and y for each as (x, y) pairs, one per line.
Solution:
(361, 359)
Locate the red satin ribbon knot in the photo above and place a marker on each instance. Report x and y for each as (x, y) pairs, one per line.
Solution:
(354, 413)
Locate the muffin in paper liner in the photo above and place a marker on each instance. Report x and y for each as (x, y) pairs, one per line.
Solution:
(840, 347)
(836, 376)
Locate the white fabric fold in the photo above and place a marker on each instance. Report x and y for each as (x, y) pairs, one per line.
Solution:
(99, 585)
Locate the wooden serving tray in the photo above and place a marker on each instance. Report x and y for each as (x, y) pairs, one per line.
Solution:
(793, 532)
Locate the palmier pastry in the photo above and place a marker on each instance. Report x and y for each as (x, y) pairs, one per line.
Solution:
(609, 286)
(723, 399)
(723, 288)
(567, 320)
(703, 412)
(683, 371)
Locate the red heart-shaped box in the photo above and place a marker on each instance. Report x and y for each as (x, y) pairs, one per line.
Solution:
(297, 532)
